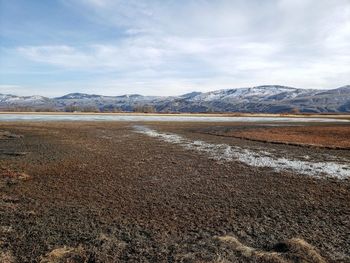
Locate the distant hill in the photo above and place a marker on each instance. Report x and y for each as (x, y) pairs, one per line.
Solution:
(260, 99)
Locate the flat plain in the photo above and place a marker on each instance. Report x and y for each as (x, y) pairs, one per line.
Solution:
(174, 192)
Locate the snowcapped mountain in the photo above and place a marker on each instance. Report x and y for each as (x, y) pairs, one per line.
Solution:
(10, 101)
(270, 99)
(259, 93)
(83, 101)
(10, 98)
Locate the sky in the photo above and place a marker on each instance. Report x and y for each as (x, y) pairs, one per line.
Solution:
(171, 47)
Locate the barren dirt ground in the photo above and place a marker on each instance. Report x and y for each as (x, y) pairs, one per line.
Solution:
(105, 192)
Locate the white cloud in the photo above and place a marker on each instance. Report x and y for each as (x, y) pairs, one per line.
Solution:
(222, 55)
(8, 89)
(202, 44)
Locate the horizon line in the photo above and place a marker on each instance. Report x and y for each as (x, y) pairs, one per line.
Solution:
(131, 94)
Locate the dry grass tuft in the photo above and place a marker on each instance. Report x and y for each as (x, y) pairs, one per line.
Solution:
(66, 255)
(238, 246)
(299, 248)
(293, 250)
(7, 173)
(6, 230)
(6, 257)
(252, 253)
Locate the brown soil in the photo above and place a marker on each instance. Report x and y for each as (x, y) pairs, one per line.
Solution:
(319, 136)
(98, 192)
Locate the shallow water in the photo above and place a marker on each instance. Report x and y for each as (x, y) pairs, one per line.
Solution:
(141, 118)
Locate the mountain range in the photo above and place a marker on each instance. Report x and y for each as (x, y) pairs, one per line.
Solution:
(260, 99)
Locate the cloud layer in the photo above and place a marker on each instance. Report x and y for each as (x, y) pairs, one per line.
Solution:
(169, 47)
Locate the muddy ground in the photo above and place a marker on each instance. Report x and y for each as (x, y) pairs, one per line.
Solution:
(100, 192)
(335, 136)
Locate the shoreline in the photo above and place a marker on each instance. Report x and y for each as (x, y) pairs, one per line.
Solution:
(262, 115)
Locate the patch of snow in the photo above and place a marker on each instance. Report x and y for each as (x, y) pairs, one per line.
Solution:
(246, 94)
(226, 152)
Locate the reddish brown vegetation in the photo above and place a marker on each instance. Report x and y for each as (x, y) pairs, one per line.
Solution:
(10, 174)
(322, 136)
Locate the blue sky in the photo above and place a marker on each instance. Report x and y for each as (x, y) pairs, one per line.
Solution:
(169, 47)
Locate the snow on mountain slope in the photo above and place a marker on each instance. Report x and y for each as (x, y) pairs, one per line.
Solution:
(271, 99)
(22, 100)
(255, 93)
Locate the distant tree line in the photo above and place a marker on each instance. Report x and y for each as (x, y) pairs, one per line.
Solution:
(28, 109)
(293, 111)
(113, 109)
(110, 108)
(144, 109)
(74, 108)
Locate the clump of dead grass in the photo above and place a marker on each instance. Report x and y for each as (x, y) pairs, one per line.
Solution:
(66, 255)
(10, 174)
(251, 253)
(297, 248)
(293, 250)
(6, 257)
